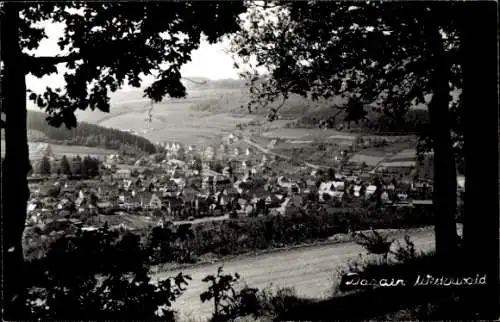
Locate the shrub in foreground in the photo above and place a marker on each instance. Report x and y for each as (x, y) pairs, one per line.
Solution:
(98, 275)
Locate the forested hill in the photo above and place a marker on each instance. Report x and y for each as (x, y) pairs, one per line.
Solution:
(87, 135)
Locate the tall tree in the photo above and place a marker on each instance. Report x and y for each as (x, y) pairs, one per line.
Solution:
(386, 55)
(64, 166)
(104, 45)
(44, 166)
(76, 165)
(481, 227)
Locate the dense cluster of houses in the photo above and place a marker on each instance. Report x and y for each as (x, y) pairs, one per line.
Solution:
(174, 187)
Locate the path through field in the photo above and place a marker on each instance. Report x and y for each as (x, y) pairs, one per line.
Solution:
(267, 151)
(309, 270)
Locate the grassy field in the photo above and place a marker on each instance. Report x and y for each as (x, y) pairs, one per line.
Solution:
(367, 159)
(308, 134)
(171, 120)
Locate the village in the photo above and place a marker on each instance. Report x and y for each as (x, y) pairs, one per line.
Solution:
(185, 184)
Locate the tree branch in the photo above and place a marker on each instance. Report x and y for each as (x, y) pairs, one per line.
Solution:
(195, 82)
(51, 60)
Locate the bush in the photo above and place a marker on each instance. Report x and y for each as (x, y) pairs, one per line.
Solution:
(85, 277)
(228, 303)
(274, 302)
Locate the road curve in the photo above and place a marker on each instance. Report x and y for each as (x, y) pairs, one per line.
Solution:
(309, 270)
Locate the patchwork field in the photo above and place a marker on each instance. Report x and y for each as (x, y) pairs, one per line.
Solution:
(399, 164)
(367, 159)
(405, 155)
(308, 134)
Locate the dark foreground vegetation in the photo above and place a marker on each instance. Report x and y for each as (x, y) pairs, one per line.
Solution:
(414, 121)
(186, 243)
(105, 274)
(409, 302)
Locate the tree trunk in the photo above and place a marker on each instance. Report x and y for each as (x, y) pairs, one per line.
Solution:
(15, 192)
(445, 181)
(480, 99)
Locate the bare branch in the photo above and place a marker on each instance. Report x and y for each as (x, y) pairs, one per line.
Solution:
(195, 82)
(51, 60)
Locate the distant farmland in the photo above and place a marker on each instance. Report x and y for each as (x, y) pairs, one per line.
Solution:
(308, 134)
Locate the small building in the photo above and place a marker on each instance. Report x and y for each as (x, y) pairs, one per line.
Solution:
(122, 174)
(155, 202)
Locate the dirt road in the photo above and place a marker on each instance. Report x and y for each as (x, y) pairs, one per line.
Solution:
(309, 270)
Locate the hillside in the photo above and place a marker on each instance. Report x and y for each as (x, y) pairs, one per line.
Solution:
(214, 107)
(89, 135)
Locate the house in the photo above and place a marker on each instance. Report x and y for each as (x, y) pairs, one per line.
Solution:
(332, 193)
(286, 207)
(81, 200)
(104, 205)
(272, 200)
(290, 186)
(370, 190)
(385, 197)
(122, 174)
(174, 163)
(209, 153)
(227, 171)
(242, 202)
(65, 203)
(248, 209)
(221, 199)
(461, 182)
(180, 182)
(222, 182)
(155, 202)
(189, 194)
(334, 189)
(170, 188)
(142, 162)
(402, 196)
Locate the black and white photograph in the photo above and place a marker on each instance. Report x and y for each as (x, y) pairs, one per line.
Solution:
(200, 161)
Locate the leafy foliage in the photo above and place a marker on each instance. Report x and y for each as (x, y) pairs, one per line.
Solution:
(259, 233)
(407, 251)
(374, 55)
(229, 303)
(103, 276)
(44, 166)
(65, 167)
(374, 242)
(166, 244)
(110, 44)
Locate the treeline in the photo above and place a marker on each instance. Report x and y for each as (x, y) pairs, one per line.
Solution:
(185, 244)
(77, 166)
(414, 121)
(89, 135)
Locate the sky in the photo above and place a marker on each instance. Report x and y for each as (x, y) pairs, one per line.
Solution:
(209, 61)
